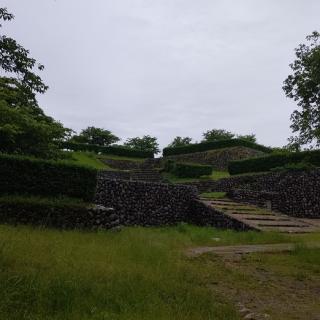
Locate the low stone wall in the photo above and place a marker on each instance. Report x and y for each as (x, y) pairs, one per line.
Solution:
(122, 164)
(203, 215)
(225, 184)
(218, 159)
(296, 193)
(61, 217)
(144, 203)
(109, 174)
(132, 164)
(263, 199)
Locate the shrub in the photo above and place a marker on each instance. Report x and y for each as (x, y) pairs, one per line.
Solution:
(23, 175)
(114, 150)
(206, 146)
(59, 213)
(302, 166)
(272, 161)
(186, 170)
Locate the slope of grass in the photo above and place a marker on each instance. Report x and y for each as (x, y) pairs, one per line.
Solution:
(89, 159)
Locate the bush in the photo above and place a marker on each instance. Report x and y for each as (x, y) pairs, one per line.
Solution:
(114, 150)
(59, 213)
(206, 146)
(23, 175)
(272, 161)
(302, 166)
(186, 170)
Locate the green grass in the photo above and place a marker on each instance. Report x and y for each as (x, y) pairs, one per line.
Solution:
(213, 195)
(114, 157)
(89, 159)
(138, 273)
(216, 175)
(94, 160)
(135, 274)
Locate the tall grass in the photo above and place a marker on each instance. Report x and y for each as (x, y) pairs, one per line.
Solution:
(138, 273)
(135, 274)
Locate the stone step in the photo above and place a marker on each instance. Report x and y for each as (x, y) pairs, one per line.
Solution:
(262, 219)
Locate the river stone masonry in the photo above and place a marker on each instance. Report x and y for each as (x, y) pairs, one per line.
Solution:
(145, 203)
(219, 158)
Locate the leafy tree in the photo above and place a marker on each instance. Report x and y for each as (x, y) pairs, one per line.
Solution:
(15, 60)
(146, 143)
(24, 128)
(93, 135)
(217, 135)
(248, 137)
(180, 142)
(303, 86)
(23, 133)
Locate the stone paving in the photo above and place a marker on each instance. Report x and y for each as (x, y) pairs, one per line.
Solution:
(263, 219)
(245, 249)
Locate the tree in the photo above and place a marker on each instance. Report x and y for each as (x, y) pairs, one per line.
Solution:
(15, 60)
(146, 143)
(217, 135)
(22, 133)
(180, 142)
(93, 135)
(303, 86)
(24, 127)
(248, 137)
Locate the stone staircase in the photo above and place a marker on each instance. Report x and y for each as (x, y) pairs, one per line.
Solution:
(262, 219)
(149, 175)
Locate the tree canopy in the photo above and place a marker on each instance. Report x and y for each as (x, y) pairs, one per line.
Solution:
(146, 143)
(303, 86)
(180, 142)
(24, 127)
(222, 134)
(98, 136)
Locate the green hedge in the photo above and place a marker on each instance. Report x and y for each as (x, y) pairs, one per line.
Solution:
(187, 170)
(206, 146)
(58, 213)
(23, 175)
(114, 150)
(276, 160)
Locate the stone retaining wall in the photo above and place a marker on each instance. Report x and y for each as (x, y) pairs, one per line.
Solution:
(203, 215)
(296, 193)
(144, 203)
(109, 174)
(225, 184)
(219, 158)
(61, 217)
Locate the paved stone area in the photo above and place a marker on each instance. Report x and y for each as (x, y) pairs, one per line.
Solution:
(244, 249)
(263, 219)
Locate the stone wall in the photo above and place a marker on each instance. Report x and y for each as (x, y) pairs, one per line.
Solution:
(296, 193)
(144, 203)
(203, 215)
(225, 184)
(219, 158)
(61, 217)
(109, 174)
(132, 164)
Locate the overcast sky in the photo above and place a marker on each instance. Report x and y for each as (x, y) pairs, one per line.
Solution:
(166, 67)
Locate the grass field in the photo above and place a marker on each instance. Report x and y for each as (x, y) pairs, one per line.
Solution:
(142, 273)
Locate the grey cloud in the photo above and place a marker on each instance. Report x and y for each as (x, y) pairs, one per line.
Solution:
(167, 67)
